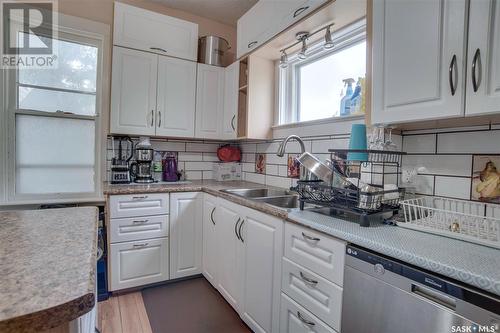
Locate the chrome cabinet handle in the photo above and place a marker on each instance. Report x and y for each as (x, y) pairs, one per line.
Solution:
(159, 118)
(314, 239)
(212, 215)
(239, 230)
(453, 68)
(300, 11)
(308, 280)
(252, 44)
(476, 62)
(140, 197)
(305, 321)
(152, 117)
(140, 245)
(434, 296)
(140, 221)
(232, 122)
(158, 49)
(236, 228)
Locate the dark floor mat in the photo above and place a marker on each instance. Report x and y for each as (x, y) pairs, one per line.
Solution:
(190, 306)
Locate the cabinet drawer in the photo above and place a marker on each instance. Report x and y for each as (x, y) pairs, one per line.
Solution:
(320, 296)
(295, 319)
(138, 263)
(137, 228)
(316, 251)
(132, 205)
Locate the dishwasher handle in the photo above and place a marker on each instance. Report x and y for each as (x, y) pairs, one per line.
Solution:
(434, 296)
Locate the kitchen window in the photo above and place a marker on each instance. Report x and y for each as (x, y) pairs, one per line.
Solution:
(312, 88)
(54, 124)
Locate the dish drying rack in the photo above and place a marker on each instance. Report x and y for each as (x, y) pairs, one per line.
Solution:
(465, 220)
(380, 168)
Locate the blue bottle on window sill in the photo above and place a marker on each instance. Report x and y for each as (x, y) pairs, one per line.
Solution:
(345, 102)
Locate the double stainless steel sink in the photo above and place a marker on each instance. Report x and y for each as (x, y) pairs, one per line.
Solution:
(275, 197)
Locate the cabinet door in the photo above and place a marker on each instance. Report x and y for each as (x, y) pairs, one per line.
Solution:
(138, 263)
(209, 101)
(230, 119)
(483, 68)
(185, 234)
(209, 239)
(418, 60)
(229, 252)
(133, 92)
(176, 97)
(262, 236)
(258, 21)
(295, 319)
(146, 30)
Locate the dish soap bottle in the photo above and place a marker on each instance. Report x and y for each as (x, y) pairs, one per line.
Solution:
(345, 102)
(356, 99)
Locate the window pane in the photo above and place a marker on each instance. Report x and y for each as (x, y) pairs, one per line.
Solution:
(321, 85)
(77, 68)
(54, 155)
(52, 101)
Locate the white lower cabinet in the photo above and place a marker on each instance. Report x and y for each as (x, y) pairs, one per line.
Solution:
(185, 234)
(311, 285)
(209, 256)
(138, 263)
(229, 252)
(295, 319)
(262, 236)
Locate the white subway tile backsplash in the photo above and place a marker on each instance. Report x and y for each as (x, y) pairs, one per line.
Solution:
(278, 181)
(202, 147)
(248, 167)
(322, 146)
(248, 148)
(272, 169)
(194, 175)
(482, 142)
(282, 170)
(274, 159)
(210, 157)
(168, 146)
(454, 165)
(453, 187)
(254, 177)
(207, 175)
(201, 166)
(420, 143)
(190, 156)
(423, 185)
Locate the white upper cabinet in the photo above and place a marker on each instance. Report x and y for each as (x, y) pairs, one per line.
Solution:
(418, 60)
(176, 97)
(230, 118)
(209, 101)
(133, 92)
(267, 18)
(483, 68)
(145, 30)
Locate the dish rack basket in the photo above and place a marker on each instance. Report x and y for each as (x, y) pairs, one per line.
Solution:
(379, 169)
(465, 220)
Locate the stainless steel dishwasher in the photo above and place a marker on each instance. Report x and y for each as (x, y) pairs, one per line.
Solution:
(382, 295)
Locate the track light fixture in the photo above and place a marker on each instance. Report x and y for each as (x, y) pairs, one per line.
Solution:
(283, 59)
(302, 38)
(328, 39)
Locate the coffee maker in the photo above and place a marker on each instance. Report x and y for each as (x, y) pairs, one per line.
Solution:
(141, 168)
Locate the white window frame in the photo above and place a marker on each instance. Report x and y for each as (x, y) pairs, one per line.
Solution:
(76, 30)
(289, 78)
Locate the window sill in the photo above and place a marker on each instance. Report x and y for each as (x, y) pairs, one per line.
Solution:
(319, 121)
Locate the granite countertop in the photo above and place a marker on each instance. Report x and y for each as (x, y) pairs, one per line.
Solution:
(48, 263)
(476, 265)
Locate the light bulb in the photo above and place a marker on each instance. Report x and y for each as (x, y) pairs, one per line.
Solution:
(283, 60)
(302, 54)
(328, 39)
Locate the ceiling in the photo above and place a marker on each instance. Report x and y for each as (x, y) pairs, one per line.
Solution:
(223, 11)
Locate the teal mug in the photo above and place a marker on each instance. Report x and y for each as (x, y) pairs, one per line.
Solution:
(358, 141)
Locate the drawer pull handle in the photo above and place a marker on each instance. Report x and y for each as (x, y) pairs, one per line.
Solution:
(140, 197)
(305, 321)
(158, 49)
(140, 245)
(313, 239)
(236, 228)
(212, 216)
(140, 221)
(239, 230)
(308, 280)
(300, 11)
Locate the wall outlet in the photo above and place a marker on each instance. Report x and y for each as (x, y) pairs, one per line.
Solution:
(408, 175)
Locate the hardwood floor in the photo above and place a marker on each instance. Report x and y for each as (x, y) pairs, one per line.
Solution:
(123, 314)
